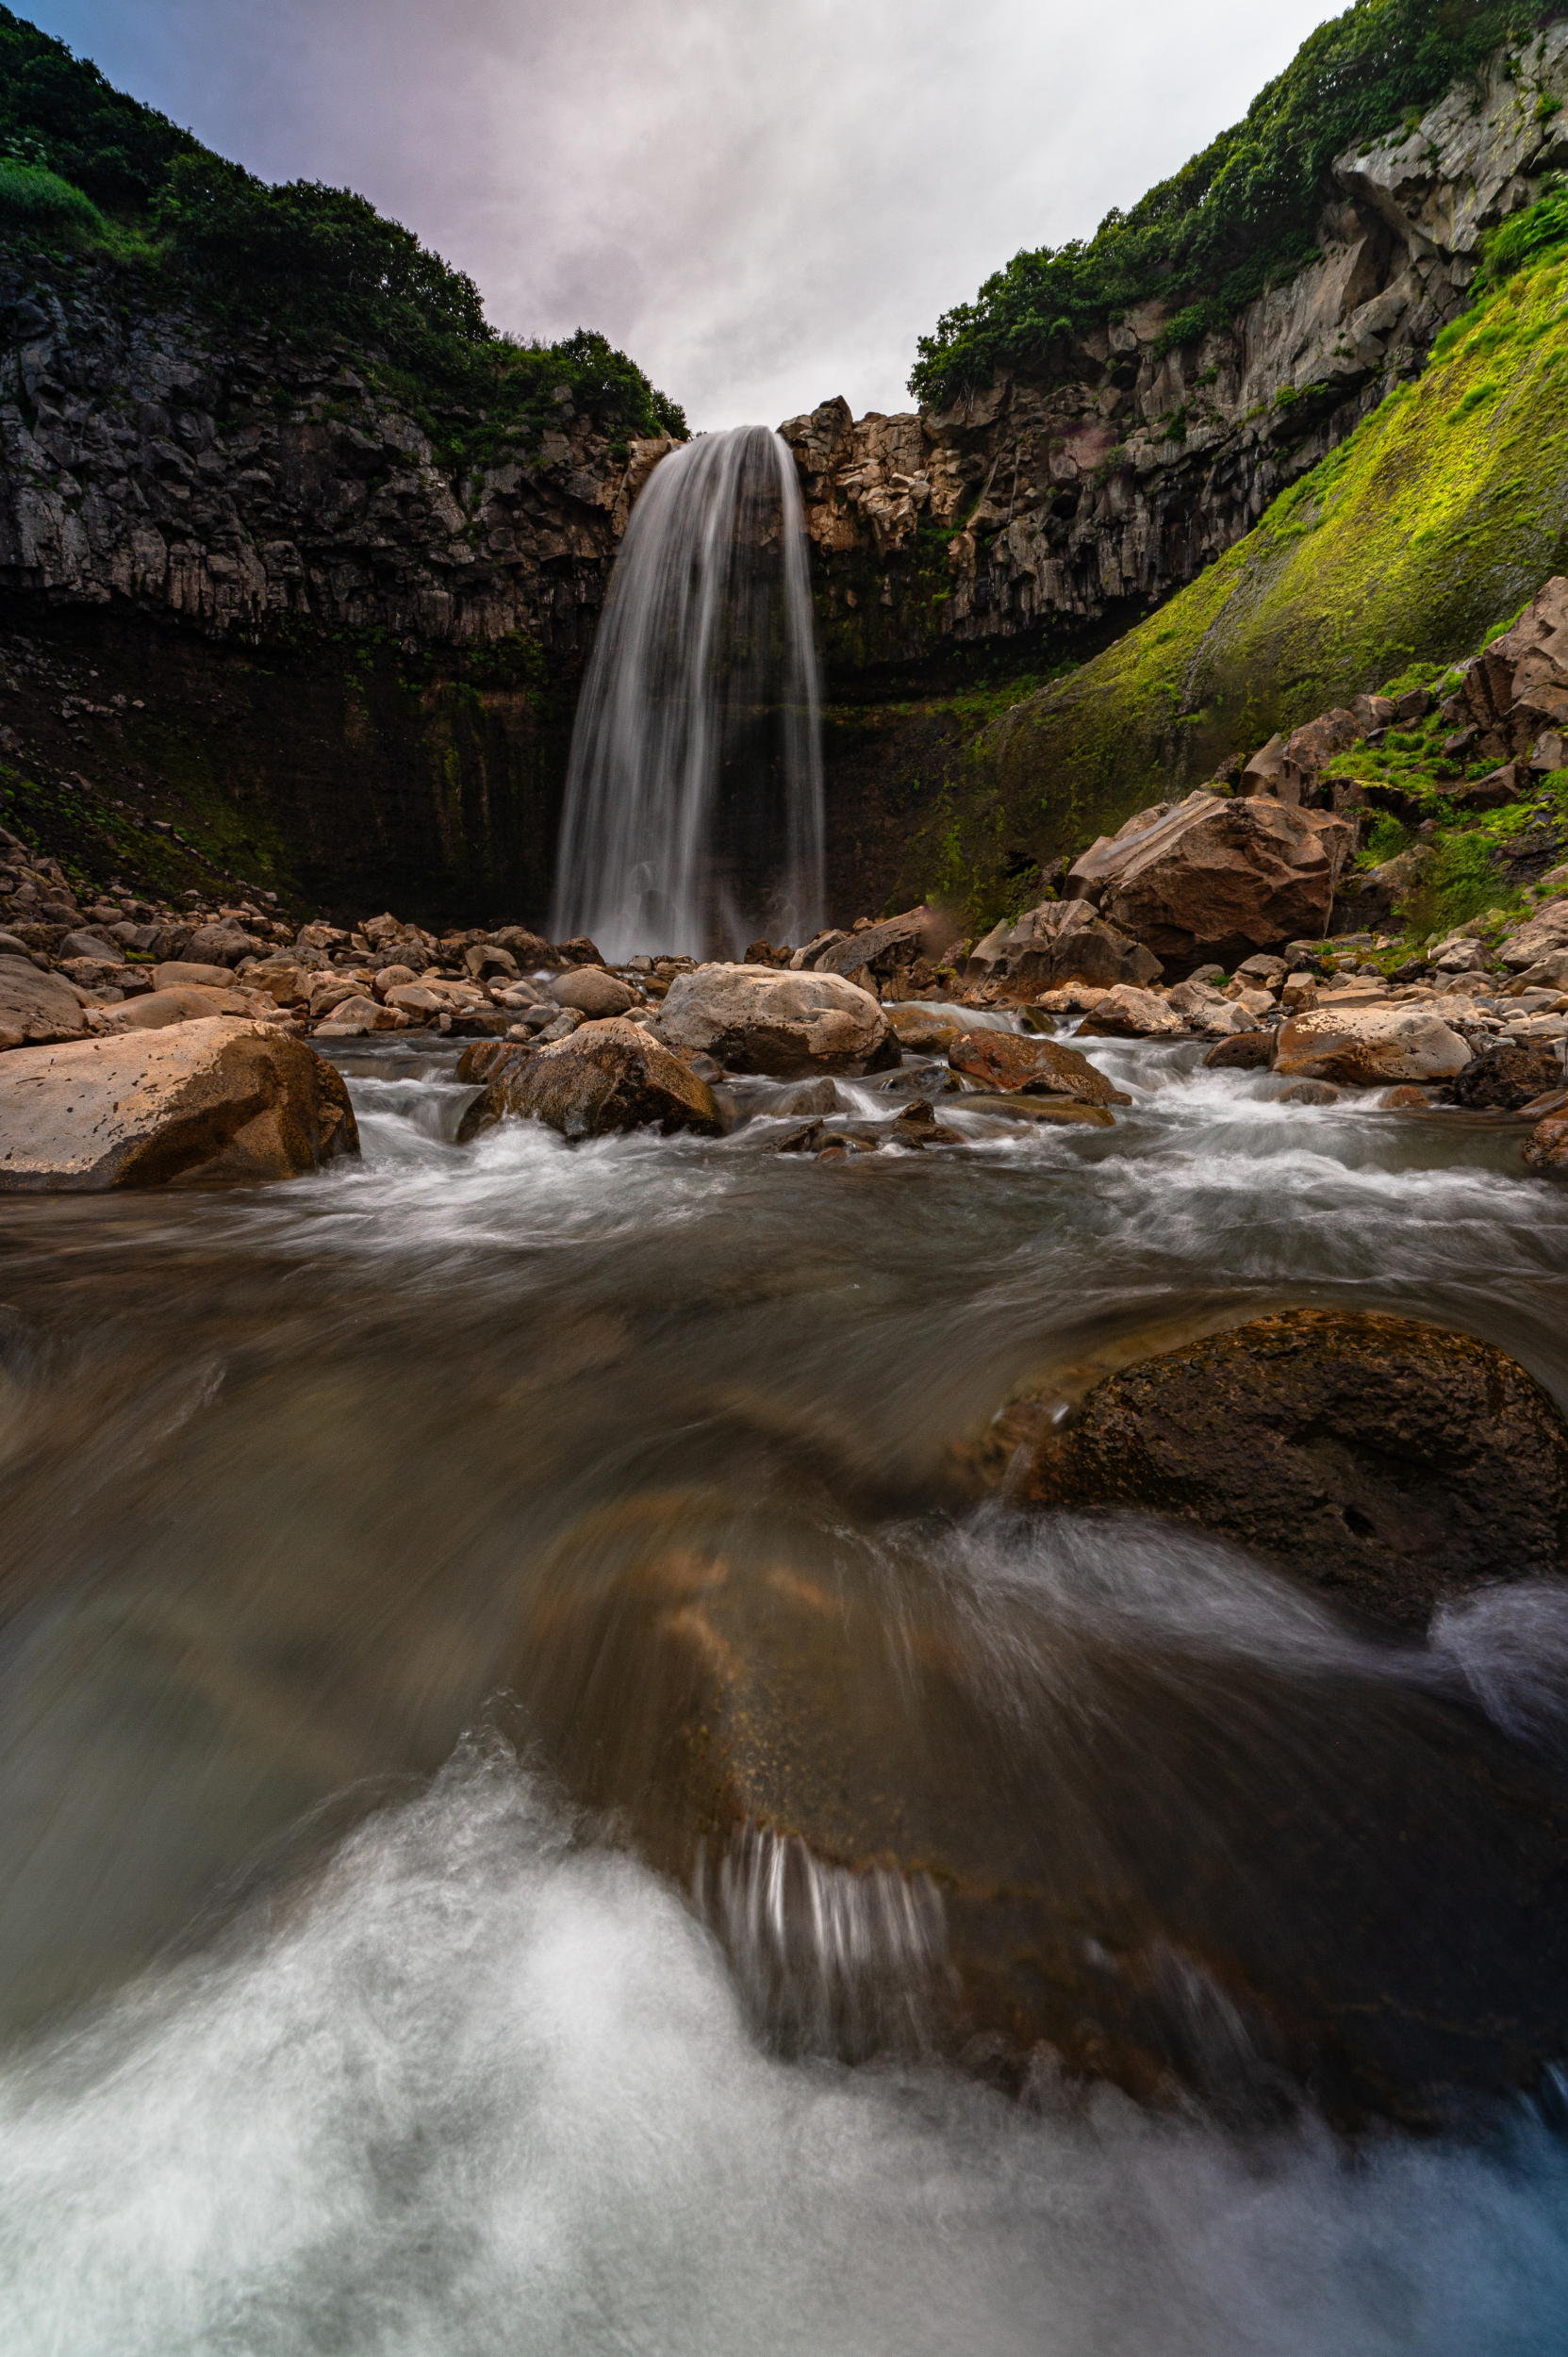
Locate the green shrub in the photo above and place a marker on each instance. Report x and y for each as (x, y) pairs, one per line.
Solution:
(1242, 215)
(41, 200)
(1523, 238)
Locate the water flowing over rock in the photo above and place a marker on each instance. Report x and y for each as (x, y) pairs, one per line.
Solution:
(694, 802)
(609, 1075)
(1392, 1463)
(213, 1100)
(1009, 1061)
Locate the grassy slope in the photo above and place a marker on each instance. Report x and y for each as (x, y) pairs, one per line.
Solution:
(1445, 509)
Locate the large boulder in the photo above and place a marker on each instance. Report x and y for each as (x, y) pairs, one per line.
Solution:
(607, 1076)
(1542, 936)
(222, 1099)
(156, 1009)
(756, 1019)
(1127, 1014)
(1365, 1045)
(222, 944)
(1010, 1061)
(36, 1007)
(1391, 1463)
(1501, 1079)
(989, 1812)
(1212, 878)
(592, 992)
(1059, 943)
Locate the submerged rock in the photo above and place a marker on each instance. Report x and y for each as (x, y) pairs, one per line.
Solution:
(606, 1077)
(1391, 1463)
(1010, 1061)
(756, 1020)
(1310, 1093)
(990, 1815)
(219, 1098)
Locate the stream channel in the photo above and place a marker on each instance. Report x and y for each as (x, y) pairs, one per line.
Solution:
(333, 2021)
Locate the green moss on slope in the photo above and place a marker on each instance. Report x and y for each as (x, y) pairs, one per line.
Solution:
(1445, 510)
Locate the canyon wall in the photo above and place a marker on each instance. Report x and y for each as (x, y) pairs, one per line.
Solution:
(257, 603)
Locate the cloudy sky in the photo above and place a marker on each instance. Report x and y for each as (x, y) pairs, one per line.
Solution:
(766, 201)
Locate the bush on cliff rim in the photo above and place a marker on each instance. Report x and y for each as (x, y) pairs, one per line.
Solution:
(1241, 215)
(319, 263)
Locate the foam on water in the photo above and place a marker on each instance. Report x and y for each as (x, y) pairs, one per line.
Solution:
(490, 2088)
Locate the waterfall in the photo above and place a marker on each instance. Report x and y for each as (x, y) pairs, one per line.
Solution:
(694, 799)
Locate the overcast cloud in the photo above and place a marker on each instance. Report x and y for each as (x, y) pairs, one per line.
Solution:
(766, 201)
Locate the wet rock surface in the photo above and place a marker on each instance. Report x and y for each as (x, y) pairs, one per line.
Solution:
(790, 1025)
(1365, 1045)
(1391, 1463)
(1009, 1061)
(608, 1076)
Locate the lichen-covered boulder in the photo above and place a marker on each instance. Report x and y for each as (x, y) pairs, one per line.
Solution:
(222, 1099)
(1010, 1061)
(1391, 1462)
(1365, 1045)
(753, 1018)
(607, 1076)
(36, 1007)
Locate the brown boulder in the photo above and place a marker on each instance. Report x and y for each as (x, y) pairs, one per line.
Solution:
(36, 1007)
(1245, 1051)
(1546, 1147)
(215, 1100)
(1215, 878)
(223, 944)
(608, 1076)
(1127, 1014)
(1391, 1463)
(1059, 943)
(1007, 1060)
(159, 1008)
(592, 992)
(1362, 1046)
(756, 1019)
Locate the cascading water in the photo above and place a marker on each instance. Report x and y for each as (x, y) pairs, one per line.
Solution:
(694, 800)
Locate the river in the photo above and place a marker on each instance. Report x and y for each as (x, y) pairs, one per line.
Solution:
(333, 2023)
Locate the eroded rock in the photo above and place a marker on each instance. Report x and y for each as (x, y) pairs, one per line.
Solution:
(1010, 1061)
(607, 1076)
(756, 1019)
(1364, 1045)
(1213, 878)
(1391, 1462)
(36, 1007)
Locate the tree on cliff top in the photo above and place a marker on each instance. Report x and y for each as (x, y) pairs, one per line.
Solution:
(1237, 217)
(319, 263)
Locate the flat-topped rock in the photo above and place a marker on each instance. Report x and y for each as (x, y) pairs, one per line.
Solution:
(219, 1098)
(755, 1019)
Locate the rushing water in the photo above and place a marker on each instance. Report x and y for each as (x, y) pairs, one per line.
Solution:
(693, 814)
(333, 2022)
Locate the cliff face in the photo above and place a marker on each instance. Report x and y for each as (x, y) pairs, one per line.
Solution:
(1054, 509)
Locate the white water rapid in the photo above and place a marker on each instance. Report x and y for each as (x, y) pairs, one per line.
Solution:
(693, 814)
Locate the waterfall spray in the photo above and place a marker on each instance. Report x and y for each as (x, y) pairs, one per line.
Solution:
(694, 799)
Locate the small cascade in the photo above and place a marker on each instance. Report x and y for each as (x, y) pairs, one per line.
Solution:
(693, 814)
(830, 1961)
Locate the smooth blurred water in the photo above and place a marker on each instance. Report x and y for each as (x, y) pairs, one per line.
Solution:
(332, 2028)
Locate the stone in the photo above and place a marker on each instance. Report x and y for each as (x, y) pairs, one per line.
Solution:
(1263, 969)
(1392, 1463)
(1250, 1051)
(179, 973)
(608, 1076)
(352, 1018)
(1007, 1062)
(855, 949)
(592, 992)
(1404, 1099)
(1310, 1093)
(526, 947)
(1362, 1046)
(219, 1098)
(485, 1058)
(1219, 879)
(1127, 1014)
(158, 1009)
(414, 1000)
(757, 1019)
(36, 1007)
(1501, 1079)
(1544, 934)
(1297, 993)
(920, 1033)
(1060, 943)
(91, 944)
(817, 1097)
(1546, 1147)
(1070, 1112)
(388, 978)
(223, 944)
(1490, 793)
(917, 1125)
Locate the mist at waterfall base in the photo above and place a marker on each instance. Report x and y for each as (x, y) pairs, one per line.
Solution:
(693, 816)
(333, 2027)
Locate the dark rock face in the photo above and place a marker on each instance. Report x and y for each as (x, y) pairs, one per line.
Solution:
(1504, 1078)
(1246, 1051)
(1008, 1061)
(1391, 1463)
(1210, 877)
